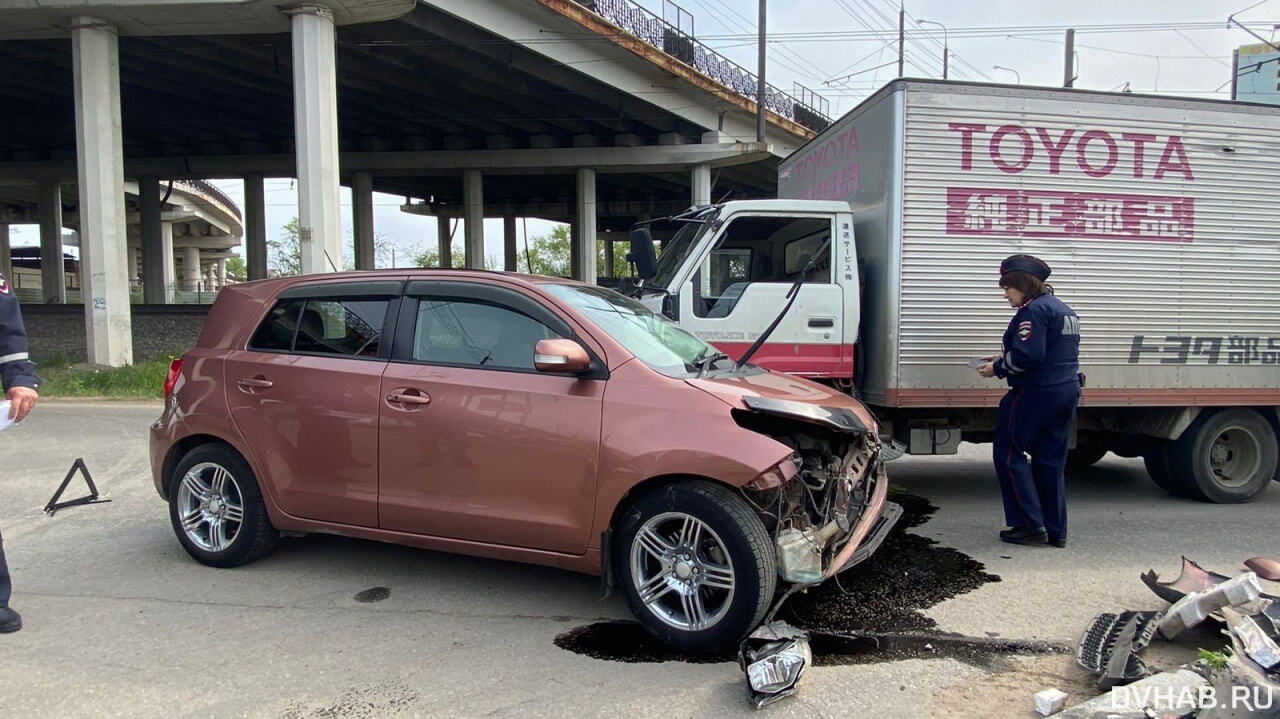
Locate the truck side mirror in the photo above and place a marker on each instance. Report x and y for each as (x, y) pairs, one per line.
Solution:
(642, 254)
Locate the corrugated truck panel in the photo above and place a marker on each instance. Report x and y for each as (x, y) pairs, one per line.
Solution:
(1159, 217)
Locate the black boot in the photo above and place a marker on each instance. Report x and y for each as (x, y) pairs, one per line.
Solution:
(10, 621)
(1023, 535)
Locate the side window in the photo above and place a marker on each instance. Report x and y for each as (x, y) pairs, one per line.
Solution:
(275, 333)
(759, 249)
(471, 332)
(351, 326)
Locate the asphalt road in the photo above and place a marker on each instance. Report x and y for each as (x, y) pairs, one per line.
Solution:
(121, 622)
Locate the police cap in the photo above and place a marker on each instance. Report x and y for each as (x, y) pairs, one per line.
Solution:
(1033, 266)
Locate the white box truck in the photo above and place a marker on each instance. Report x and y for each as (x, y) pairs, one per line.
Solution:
(1159, 216)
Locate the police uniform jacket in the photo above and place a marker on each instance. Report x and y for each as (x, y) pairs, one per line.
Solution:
(1041, 345)
(17, 369)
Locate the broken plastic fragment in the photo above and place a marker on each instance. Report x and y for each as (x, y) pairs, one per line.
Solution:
(774, 658)
(1193, 608)
(1255, 634)
(1109, 646)
(1192, 578)
(1266, 568)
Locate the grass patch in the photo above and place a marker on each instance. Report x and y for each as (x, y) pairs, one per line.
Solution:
(144, 380)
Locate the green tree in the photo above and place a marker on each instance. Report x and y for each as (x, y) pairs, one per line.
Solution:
(236, 268)
(550, 255)
(284, 254)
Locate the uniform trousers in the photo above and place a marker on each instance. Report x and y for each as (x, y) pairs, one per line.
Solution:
(1035, 421)
(6, 586)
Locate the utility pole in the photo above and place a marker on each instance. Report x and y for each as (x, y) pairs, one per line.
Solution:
(902, 35)
(761, 87)
(1069, 61)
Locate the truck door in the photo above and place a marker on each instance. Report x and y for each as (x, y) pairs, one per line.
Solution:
(740, 286)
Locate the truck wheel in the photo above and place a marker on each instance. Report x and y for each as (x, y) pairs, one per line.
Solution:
(1161, 472)
(1086, 455)
(1226, 456)
(696, 565)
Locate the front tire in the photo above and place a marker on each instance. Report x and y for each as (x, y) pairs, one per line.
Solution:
(696, 565)
(1227, 456)
(216, 508)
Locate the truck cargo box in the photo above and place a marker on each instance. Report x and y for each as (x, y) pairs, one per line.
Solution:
(1159, 216)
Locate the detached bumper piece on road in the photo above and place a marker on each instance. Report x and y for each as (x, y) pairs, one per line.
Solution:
(1241, 679)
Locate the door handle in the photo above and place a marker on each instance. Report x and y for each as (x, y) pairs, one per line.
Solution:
(822, 322)
(252, 384)
(402, 398)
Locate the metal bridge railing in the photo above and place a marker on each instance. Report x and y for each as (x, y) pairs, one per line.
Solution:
(805, 107)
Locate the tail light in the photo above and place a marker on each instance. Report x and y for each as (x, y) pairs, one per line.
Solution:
(175, 369)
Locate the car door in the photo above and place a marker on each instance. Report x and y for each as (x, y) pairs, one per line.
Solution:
(743, 284)
(304, 395)
(474, 443)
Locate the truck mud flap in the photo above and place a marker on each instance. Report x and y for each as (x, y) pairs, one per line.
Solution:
(889, 516)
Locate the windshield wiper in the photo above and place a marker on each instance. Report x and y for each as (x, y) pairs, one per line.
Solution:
(704, 364)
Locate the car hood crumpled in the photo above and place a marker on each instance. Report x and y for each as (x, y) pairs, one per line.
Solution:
(777, 393)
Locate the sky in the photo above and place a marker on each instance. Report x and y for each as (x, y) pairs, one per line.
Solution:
(846, 49)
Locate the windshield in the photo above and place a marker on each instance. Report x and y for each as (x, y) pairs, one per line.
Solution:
(678, 247)
(652, 338)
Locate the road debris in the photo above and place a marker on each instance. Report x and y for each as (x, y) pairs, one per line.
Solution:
(774, 658)
(1196, 606)
(1241, 680)
(1050, 701)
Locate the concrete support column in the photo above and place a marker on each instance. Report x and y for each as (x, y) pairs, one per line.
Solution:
(701, 181)
(166, 259)
(584, 240)
(100, 163)
(445, 241)
(473, 209)
(220, 268)
(315, 119)
(509, 256)
(255, 227)
(153, 258)
(52, 275)
(190, 269)
(362, 219)
(6, 255)
(608, 255)
(131, 264)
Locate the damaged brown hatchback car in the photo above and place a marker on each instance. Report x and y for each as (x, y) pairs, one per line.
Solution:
(521, 418)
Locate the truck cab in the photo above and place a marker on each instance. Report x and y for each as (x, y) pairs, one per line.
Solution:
(727, 272)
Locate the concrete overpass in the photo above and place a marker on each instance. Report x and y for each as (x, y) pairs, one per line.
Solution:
(595, 113)
(199, 227)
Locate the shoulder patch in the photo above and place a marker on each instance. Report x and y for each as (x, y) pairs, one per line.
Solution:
(1024, 330)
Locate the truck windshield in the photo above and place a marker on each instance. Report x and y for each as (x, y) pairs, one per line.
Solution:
(653, 339)
(674, 253)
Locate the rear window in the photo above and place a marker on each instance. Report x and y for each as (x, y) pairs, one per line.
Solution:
(334, 326)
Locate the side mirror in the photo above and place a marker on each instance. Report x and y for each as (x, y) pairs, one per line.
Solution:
(642, 254)
(560, 356)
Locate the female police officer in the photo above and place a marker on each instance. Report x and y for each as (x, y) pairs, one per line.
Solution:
(1041, 365)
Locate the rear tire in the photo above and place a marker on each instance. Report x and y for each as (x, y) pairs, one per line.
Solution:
(1160, 470)
(1086, 455)
(696, 565)
(216, 508)
(1227, 456)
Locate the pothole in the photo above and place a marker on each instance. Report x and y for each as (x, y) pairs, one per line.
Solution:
(871, 614)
